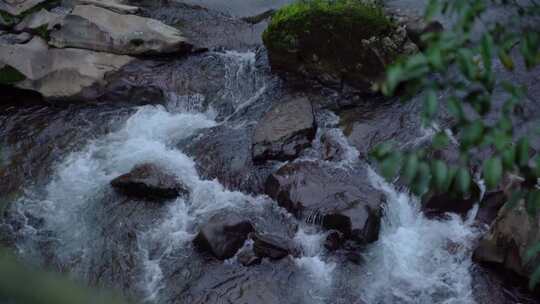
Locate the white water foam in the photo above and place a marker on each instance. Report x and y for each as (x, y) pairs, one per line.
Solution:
(418, 260)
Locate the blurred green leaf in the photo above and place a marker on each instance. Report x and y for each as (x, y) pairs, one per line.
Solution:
(492, 172)
(463, 180)
(440, 174)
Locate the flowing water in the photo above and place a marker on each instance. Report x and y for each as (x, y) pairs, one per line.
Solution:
(64, 215)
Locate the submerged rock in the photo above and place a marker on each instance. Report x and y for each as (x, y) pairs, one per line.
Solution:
(271, 246)
(149, 182)
(223, 235)
(286, 130)
(107, 31)
(511, 235)
(334, 197)
(58, 74)
(335, 42)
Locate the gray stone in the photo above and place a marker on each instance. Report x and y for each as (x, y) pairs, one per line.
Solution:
(149, 182)
(61, 74)
(17, 7)
(40, 19)
(336, 198)
(284, 131)
(99, 29)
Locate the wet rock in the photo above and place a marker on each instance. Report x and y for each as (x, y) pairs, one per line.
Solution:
(149, 182)
(331, 147)
(247, 257)
(510, 236)
(334, 197)
(270, 246)
(17, 7)
(225, 153)
(439, 204)
(285, 131)
(333, 241)
(113, 5)
(223, 235)
(59, 74)
(39, 22)
(342, 43)
(107, 31)
(206, 28)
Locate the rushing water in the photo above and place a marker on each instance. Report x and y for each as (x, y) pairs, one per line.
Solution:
(75, 223)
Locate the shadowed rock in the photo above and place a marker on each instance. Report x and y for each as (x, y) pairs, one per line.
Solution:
(285, 131)
(149, 182)
(270, 246)
(223, 235)
(336, 198)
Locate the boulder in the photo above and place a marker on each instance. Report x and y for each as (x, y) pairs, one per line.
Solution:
(286, 130)
(335, 42)
(506, 244)
(99, 29)
(113, 5)
(59, 74)
(150, 182)
(17, 7)
(247, 257)
(223, 235)
(271, 246)
(333, 240)
(9, 38)
(336, 198)
(40, 22)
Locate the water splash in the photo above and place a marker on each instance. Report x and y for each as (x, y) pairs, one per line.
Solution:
(418, 260)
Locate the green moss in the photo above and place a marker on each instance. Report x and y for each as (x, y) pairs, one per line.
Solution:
(9, 75)
(297, 20)
(8, 19)
(43, 32)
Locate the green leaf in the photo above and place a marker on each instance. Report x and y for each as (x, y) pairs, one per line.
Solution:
(466, 63)
(430, 104)
(390, 166)
(533, 202)
(440, 174)
(486, 50)
(535, 278)
(440, 140)
(492, 172)
(455, 108)
(532, 252)
(422, 181)
(410, 168)
(509, 157)
(472, 134)
(433, 8)
(506, 60)
(522, 152)
(382, 150)
(463, 180)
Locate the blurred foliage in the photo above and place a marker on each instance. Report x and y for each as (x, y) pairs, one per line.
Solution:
(456, 72)
(21, 285)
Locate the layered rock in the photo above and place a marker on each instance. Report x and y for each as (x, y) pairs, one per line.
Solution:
(60, 73)
(223, 235)
(17, 7)
(42, 20)
(286, 130)
(113, 5)
(334, 197)
(513, 232)
(99, 29)
(148, 181)
(335, 42)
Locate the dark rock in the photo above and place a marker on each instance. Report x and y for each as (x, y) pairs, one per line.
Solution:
(270, 246)
(223, 235)
(337, 198)
(355, 258)
(225, 153)
(508, 240)
(260, 17)
(345, 42)
(150, 182)
(248, 258)
(333, 241)
(439, 204)
(284, 131)
(10, 38)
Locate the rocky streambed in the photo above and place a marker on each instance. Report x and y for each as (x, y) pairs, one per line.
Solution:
(151, 147)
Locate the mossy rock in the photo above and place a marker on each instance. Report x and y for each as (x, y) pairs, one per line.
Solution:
(9, 75)
(332, 41)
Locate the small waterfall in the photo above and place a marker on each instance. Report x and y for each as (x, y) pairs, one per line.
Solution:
(418, 260)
